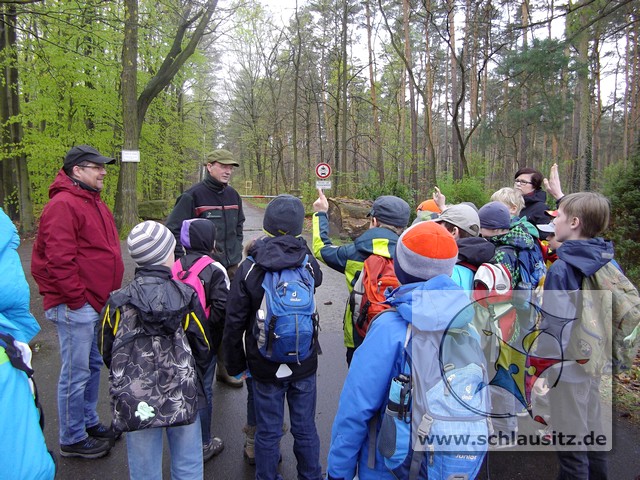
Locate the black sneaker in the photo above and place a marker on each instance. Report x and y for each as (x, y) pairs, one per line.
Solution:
(211, 449)
(88, 448)
(104, 433)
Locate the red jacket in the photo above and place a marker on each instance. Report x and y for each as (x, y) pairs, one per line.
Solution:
(76, 256)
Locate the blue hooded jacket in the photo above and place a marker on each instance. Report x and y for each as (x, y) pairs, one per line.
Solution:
(379, 359)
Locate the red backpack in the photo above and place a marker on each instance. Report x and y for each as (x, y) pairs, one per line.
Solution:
(368, 293)
(191, 278)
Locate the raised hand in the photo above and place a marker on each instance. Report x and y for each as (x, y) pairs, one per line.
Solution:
(321, 204)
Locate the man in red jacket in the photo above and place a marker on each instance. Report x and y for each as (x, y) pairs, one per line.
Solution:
(77, 262)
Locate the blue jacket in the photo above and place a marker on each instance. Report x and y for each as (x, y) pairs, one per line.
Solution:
(23, 452)
(379, 359)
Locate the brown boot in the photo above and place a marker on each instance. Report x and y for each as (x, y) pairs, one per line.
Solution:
(249, 451)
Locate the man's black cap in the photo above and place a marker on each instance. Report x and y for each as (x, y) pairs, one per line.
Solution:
(85, 153)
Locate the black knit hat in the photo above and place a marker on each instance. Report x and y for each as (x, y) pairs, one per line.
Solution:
(284, 216)
(198, 234)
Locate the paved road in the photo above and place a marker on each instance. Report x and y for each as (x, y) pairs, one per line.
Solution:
(231, 403)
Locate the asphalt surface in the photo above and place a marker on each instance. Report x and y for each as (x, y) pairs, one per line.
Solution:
(230, 403)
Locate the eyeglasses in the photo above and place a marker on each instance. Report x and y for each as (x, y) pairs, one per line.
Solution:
(522, 182)
(95, 167)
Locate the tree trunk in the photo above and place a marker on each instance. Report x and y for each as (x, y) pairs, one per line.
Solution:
(413, 164)
(126, 208)
(377, 137)
(15, 175)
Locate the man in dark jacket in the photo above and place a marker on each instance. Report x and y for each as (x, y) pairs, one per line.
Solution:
(214, 199)
(77, 262)
(272, 381)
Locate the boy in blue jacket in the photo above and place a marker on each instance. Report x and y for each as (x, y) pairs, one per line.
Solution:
(427, 300)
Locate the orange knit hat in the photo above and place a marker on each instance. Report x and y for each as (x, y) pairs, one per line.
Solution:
(424, 251)
(429, 205)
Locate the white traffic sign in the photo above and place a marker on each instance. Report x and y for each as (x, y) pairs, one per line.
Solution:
(323, 184)
(323, 170)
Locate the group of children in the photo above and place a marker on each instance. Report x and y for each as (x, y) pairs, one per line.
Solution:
(434, 260)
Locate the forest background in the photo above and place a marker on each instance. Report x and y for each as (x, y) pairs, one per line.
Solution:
(397, 95)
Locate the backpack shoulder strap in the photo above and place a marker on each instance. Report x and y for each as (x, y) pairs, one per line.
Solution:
(373, 421)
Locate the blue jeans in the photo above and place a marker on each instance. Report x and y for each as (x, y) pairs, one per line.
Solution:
(79, 371)
(269, 409)
(144, 451)
(206, 411)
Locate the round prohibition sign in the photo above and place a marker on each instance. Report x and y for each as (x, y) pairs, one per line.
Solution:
(323, 170)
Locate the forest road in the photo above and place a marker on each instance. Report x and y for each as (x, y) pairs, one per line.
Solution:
(230, 403)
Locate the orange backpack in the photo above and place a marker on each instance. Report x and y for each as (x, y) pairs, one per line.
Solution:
(368, 293)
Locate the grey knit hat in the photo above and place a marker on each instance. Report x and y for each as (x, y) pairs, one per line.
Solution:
(150, 243)
(284, 216)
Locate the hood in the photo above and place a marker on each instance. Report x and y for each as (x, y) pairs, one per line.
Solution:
(475, 250)
(534, 197)
(526, 225)
(276, 253)
(9, 239)
(433, 305)
(517, 238)
(588, 256)
(64, 183)
(162, 304)
(365, 242)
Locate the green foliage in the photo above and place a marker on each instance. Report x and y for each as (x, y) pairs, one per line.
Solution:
(622, 187)
(372, 190)
(468, 189)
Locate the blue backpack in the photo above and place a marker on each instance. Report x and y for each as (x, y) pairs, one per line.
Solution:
(286, 326)
(436, 417)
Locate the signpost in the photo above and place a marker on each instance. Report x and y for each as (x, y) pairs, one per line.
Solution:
(323, 171)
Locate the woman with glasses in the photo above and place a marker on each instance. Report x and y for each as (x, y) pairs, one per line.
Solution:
(529, 182)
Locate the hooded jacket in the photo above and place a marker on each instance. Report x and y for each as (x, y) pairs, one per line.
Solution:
(162, 305)
(535, 207)
(349, 258)
(214, 278)
(577, 259)
(219, 203)
(269, 254)
(379, 359)
(76, 257)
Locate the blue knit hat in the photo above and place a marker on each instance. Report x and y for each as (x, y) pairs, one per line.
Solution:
(494, 216)
(284, 216)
